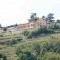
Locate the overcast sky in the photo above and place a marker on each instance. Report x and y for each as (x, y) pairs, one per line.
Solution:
(18, 11)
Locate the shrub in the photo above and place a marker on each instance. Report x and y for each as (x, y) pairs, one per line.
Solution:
(22, 56)
(26, 56)
(30, 35)
(37, 48)
(1, 35)
(50, 56)
(25, 33)
(3, 57)
(18, 50)
(42, 30)
(19, 39)
(55, 26)
(12, 42)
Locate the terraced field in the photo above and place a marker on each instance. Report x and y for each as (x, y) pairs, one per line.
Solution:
(9, 51)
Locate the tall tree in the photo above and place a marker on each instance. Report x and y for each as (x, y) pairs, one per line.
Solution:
(43, 17)
(50, 17)
(32, 17)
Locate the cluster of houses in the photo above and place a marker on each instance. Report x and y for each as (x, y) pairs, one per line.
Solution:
(37, 22)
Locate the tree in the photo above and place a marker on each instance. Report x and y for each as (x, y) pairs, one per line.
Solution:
(32, 17)
(43, 17)
(58, 21)
(25, 33)
(4, 29)
(50, 17)
(0, 26)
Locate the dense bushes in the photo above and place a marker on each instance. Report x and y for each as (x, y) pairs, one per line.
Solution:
(49, 56)
(55, 26)
(40, 50)
(14, 40)
(3, 57)
(25, 33)
(42, 30)
(25, 55)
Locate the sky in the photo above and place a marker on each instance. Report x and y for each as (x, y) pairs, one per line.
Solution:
(19, 11)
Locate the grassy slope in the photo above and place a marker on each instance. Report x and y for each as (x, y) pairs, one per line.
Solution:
(9, 51)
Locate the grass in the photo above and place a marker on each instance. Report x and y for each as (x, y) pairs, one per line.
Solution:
(9, 51)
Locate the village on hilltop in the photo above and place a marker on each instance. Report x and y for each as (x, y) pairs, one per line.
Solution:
(34, 22)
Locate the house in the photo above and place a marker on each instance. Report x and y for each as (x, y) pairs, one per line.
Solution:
(25, 26)
(12, 29)
(39, 22)
(33, 24)
(36, 23)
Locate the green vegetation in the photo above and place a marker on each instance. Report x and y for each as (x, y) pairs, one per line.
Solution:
(37, 44)
(42, 30)
(25, 33)
(41, 49)
(55, 26)
(3, 57)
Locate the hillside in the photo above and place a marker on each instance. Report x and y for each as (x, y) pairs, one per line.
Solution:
(46, 40)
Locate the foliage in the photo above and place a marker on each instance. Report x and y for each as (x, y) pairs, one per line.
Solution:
(37, 48)
(42, 30)
(43, 50)
(49, 56)
(12, 42)
(55, 26)
(12, 25)
(18, 50)
(25, 33)
(4, 29)
(3, 57)
(1, 35)
(26, 56)
(32, 17)
(15, 41)
(50, 17)
(43, 17)
(58, 21)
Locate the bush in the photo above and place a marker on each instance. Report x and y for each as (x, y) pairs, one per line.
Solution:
(42, 30)
(1, 35)
(22, 56)
(55, 26)
(37, 48)
(12, 42)
(49, 56)
(26, 56)
(18, 50)
(3, 57)
(25, 33)
(19, 39)
(40, 50)
(30, 35)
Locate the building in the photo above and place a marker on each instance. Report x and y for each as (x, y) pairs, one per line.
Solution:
(12, 29)
(33, 24)
(36, 23)
(25, 26)
(40, 23)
